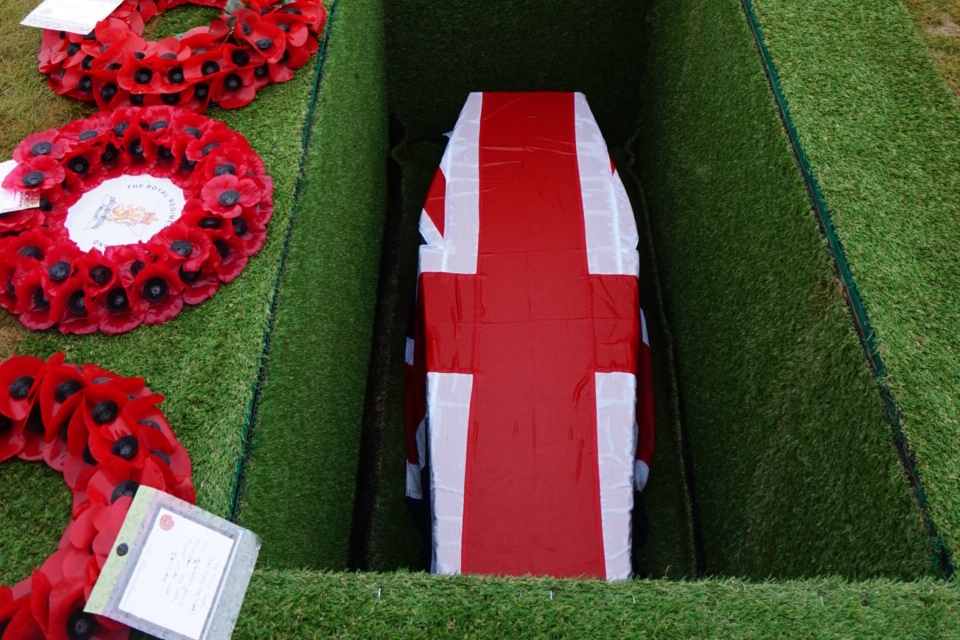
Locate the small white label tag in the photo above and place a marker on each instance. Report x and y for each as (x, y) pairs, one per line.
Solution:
(13, 200)
(124, 210)
(175, 571)
(75, 16)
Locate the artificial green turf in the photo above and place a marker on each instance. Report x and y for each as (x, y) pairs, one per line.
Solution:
(299, 489)
(439, 51)
(34, 511)
(882, 131)
(205, 360)
(937, 21)
(396, 542)
(311, 605)
(795, 470)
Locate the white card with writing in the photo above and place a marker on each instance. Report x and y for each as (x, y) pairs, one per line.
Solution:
(13, 200)
(75, 16)
(175, 571)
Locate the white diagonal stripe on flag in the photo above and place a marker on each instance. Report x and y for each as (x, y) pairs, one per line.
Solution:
(616, 395)
(448, 417)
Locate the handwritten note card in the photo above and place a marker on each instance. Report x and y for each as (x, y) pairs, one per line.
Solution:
(176, 571)
(177, 576)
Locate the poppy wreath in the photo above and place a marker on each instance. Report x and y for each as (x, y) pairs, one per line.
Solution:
(49, 280)
(108, 437)
(252, 44)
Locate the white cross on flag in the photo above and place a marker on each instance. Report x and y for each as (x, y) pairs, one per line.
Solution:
(523, 369)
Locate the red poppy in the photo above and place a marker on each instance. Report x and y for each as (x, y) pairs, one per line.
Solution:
(59, 261)
(32, 429)
(228, 196)
(198, 285)
(182, 245)
(157, 123)
(97, 273)
(11, 221)
(130, 260)
(312, 13)
(188, 125)
(33, 303)
(214, 138)
(88, 130)
(99, 375)
(265, 38)
(117, 445)
(201, 39)
(231, 252)
(111, 482)
(20, 380)
(43, 143)
(35, 174)
(250, 230)
(68, 620)
(236, 89)
(140, 149)
(102, 404)
(83, 170)
(55, 453)
(143, 75)
(177, 462)
(121, 312)
(77, 308)
(162, 289)
(151, 424)
(22, 625)
(10, 274)
(11, 439)
(60, 393)
(292, 25)
(77, 82)
(54, 205)
(52, 52)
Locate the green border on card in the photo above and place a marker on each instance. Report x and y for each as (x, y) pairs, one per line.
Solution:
(132, 525)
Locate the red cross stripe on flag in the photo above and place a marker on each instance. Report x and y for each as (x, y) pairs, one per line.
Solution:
(522, 374)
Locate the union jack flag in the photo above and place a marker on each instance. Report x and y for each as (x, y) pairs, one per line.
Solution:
(529, 409)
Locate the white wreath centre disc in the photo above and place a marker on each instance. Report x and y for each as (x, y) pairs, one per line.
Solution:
(124, 210)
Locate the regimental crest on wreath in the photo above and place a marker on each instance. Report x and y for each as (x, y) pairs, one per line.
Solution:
(133, 216)
(124, 210)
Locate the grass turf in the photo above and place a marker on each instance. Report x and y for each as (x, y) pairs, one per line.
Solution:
(205, 360)
(299, 489)
(939, 25)
(787, 432)
(881, 130)
(437, 52)
(312, 605)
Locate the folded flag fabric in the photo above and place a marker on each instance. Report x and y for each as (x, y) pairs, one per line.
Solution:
(523, 401)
